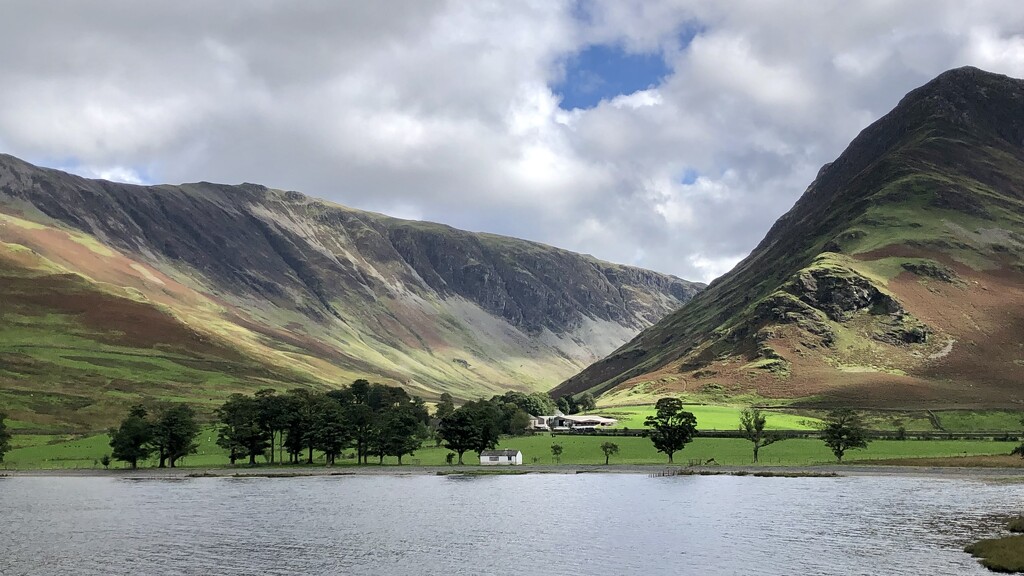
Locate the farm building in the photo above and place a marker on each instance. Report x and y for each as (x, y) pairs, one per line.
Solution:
(562, 423)
(501, 458)
(582, 422)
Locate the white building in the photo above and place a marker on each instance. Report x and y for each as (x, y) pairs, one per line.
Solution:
(501, 458)
(582, 422)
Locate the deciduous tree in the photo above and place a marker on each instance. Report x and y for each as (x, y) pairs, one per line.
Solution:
(844, 430)
(241, 432)
(131, 440)
(329, 431)
(609, 448)
(445, 406)
(672, 427)
(5, 437)
(1019, 450)
(459, 432)
(586, 402)
(556, 452)
(174, 433)
(752, 426)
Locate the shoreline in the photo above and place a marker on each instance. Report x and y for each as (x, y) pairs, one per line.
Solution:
(645, 469)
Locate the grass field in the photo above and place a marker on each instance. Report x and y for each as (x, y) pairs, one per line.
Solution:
(727, 417)
(47, 452)
(709, 417)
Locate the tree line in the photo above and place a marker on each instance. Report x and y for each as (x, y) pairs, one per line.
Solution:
(374, 419)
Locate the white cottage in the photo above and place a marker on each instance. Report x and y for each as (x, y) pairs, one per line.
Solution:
(501, 458)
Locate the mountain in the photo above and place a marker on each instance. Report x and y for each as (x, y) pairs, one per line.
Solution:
(111, 292)
(897, 279)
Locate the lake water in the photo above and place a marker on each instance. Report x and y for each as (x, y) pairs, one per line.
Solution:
(539, 524)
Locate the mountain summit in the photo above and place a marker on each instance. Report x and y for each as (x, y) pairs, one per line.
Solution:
(111, 292)
(896, 280)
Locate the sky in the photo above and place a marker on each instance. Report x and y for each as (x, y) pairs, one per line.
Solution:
(667, 134)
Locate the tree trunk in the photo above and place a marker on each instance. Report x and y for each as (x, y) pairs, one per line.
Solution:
(756, 447)
(460, 458)
(252, 459)
(171, 461)
(135, 464)
(163, 458)
(310, 459)
(670, 458)
(606, 459)
(399, 459)
(381, 462)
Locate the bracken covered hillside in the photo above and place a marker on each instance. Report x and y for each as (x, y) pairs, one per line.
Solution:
(112, 292)
(897, 279)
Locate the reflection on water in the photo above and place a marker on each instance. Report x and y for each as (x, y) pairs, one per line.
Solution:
(543, 524)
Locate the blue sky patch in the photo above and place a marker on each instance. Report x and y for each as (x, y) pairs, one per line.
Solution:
(602, 72)
(689, 177)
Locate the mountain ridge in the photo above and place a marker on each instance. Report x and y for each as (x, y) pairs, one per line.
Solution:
(931, 189)
(307, 292)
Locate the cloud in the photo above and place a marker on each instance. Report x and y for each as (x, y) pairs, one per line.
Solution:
(451, 111)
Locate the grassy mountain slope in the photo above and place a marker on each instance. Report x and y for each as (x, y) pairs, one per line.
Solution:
(897, 279)
(110, 293)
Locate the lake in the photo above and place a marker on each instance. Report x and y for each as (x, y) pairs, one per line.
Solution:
(542, 524)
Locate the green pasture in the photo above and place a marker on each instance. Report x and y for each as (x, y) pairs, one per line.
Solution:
(727, 417)
(709, 417)
(48, 452)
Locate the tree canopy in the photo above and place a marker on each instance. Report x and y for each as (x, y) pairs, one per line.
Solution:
(752, 426)
(672, 427)
(609, 449)
(5, 437)
(131, 441)
(844, 430)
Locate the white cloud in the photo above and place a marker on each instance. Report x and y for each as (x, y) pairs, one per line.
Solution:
(443, 110)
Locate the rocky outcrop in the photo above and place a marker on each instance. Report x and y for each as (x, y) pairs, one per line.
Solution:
(841, 293)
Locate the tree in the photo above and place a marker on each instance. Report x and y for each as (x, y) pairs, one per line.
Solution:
(401, 432)
(518, 423)
(131, 440)
(586, 402)
(241, 432)
(298, 405)
(174, 433)
(487, 419)
(844, 430)
(609, 449)
(273, 417)
(105, 460)
(567, 405)
(671, 428)
(556, 452)
(362, 421)
(329, 432)
(5, 437)
(445, 406)
(752, 426)
(472, 426)
(1019, 450)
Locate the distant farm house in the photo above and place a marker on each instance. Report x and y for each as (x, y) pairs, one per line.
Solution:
(562, 423)
(501, 458)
